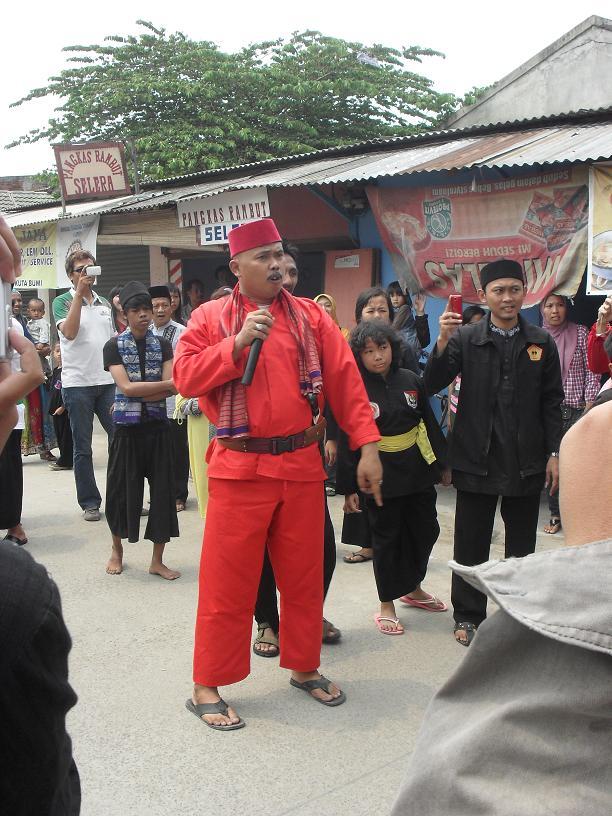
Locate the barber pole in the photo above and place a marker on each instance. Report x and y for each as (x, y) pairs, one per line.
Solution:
(176, 274)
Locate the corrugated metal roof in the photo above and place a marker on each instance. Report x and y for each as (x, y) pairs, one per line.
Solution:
(565, 143)
(12, 200)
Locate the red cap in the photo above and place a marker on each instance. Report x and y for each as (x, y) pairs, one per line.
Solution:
(252, 235)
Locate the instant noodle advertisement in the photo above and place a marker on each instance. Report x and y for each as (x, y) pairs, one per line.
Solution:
(439, 237)
(599, 280)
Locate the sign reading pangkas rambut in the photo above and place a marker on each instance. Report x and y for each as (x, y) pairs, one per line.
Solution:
(440, 237)
(92, 170)
(215, 216)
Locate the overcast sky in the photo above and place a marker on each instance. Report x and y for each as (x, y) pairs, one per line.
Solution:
(483, 41)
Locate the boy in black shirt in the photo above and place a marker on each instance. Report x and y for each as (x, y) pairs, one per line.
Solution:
(141, 365)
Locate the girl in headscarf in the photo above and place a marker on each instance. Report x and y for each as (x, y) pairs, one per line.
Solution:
(328, 304)
(580, 384)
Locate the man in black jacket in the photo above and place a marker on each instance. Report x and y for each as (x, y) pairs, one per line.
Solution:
(505, 439)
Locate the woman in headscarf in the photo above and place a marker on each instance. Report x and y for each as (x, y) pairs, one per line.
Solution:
(580, 384)
(328, 304)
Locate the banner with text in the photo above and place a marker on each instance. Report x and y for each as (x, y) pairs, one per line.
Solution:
(599, 281)
(45, 247)
(439, 237)
(214, 216)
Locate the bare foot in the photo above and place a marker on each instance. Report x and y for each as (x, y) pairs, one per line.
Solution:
(210, 694)
(170, 575)
(115, 562)
(302, 677)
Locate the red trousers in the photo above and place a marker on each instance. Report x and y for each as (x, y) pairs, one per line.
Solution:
(241, 518)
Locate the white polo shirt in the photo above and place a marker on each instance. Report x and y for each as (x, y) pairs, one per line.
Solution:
(82, 363)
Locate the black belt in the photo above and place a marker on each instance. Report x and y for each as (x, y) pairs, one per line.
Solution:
(277, 444)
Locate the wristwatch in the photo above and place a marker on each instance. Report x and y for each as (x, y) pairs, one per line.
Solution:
(555, 454)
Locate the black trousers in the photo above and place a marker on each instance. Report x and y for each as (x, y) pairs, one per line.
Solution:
(569, 417)
(474, 517)
(180, 458)
(63, 434)
(404, 531)
(11, 482)
(266, 607)
(356, 526)
(140, 452)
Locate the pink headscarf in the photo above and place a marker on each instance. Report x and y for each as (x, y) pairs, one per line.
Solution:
(565, 336)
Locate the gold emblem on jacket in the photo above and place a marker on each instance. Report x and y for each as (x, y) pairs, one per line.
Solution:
(535, 353)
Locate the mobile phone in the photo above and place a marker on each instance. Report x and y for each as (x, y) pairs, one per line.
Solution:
(5, 320)
(92, 271)
(455, 304)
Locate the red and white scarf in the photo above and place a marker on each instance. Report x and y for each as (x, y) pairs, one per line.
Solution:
(233, 419)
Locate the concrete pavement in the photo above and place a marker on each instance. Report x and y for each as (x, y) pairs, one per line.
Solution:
(141, 753)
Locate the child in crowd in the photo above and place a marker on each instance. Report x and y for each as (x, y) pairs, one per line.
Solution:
(141, 366)
(413, 454)
(40, 331)
(59, 414)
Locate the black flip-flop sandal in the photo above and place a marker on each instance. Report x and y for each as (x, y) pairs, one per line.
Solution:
(331, 633)
(554, 521)
(221, 707)
(322, 683)
(356, 558)
(468, 628)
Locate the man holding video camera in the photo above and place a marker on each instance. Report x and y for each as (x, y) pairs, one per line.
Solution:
(84, 323)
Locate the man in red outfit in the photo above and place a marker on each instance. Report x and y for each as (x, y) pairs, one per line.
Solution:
(264, 466)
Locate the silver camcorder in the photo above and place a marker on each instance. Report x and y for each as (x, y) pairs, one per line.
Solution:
(93, 271)
(5, 320)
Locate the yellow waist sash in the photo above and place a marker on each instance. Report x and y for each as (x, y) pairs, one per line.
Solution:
(417, 436)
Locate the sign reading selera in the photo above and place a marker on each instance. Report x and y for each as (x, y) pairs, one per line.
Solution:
(92, 170)
(214, 216)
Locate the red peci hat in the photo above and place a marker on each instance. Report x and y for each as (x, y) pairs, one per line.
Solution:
(252, 235)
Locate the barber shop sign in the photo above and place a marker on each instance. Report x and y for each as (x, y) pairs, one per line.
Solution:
(214, 216)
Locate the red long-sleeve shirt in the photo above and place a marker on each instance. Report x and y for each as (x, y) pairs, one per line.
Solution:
(596, 356)
(203, 361)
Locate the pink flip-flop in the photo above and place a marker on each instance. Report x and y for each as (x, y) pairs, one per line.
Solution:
(432, 605)
(379, 618)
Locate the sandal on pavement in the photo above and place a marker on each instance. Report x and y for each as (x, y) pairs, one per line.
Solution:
(396, 621)
(468, 628)
(322, 683)
(356, 558)
(432, 604)
(20, 542)
(553, 526)
(220, 707)
(330, 633)
(271, 641)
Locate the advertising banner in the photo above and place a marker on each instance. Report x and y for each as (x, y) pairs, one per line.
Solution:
(92, 170)
(599, 280)
(38, 256)
(439, 237)
(214, 216)
(44, 248)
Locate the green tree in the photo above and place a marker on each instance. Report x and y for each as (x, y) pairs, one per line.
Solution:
(187, 106)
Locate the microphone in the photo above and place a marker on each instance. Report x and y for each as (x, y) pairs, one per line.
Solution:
(249, 369)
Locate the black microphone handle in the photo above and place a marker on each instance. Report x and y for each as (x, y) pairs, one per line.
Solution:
(249, 369)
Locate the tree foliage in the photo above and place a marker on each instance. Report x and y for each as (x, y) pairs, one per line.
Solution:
(187, 106)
